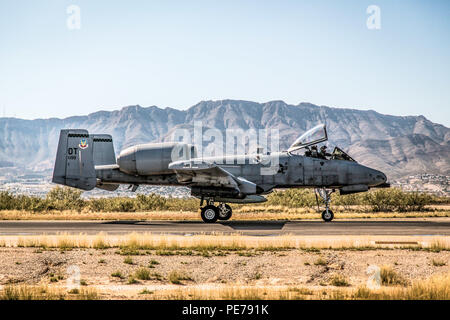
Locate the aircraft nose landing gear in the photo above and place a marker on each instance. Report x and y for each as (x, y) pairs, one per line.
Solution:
(327, 215)
(325, 194)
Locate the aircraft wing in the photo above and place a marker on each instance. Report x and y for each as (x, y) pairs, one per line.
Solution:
(204, 174)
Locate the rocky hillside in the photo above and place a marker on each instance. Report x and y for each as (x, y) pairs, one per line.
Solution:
(397, 145)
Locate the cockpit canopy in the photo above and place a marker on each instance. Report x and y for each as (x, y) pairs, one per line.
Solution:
(313, 136)
(339, 154)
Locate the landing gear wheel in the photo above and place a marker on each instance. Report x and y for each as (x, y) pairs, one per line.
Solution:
(327, 215)
(225, 212)
(210, 214)
(325, 194)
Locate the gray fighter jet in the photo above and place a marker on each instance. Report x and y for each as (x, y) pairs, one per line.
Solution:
(86, 161)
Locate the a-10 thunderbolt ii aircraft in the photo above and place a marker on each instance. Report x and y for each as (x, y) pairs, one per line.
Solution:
(86, 161)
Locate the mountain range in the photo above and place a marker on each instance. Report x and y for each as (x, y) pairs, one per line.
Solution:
(397, 145)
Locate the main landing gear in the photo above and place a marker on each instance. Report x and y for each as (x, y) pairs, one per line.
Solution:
(210, 213)
(325, 194)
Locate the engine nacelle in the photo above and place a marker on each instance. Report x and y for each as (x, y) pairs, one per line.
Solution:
(153, 158)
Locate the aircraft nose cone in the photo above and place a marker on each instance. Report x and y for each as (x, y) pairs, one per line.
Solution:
(378, 178)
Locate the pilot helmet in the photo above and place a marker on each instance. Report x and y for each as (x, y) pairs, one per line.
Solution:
(314, 147)
(323, 148)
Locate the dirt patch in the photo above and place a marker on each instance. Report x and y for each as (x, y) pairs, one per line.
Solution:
(292, 267)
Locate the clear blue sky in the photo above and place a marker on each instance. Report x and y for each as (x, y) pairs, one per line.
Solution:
(177, 53)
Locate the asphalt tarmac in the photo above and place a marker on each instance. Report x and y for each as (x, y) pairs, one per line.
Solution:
(397, 227)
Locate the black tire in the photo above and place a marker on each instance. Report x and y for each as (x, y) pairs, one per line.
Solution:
(210, 214)
(228, 213)
(327, 215)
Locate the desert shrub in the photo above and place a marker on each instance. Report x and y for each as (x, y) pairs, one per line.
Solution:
(66, 198)
(415, 201)
(180, 204)
(176, 277)
(98, 205)
(441, 200)
(63, 198)
(293, 198)
(124, 205)
(395, 199)
(117, 274)
(383, 200)
(347, 201)
(339, 280)
(30, 203)
(143, 274)
(71, 195)
(321, 262)
(7, 201)
(151, 202)
(378, 200)
(390, 277)
(132, 280)
(36, 204)
(118, 204)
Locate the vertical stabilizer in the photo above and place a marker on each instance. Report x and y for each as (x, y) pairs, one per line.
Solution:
(103, 149)
(74, 165)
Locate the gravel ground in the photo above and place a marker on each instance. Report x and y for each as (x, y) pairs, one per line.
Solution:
(266, 268)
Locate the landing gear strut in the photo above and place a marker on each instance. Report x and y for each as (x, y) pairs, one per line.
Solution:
(210, 213)
(325, 194)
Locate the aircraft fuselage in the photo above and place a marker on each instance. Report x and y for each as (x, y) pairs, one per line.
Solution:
(281, 170)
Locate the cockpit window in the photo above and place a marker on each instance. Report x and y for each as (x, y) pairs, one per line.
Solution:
(339, 154)
(193, 152)
(313, 136)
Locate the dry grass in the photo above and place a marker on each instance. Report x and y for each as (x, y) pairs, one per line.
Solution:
(390, 277)
(435, 288)
(143, 274)
(232, 242)
(320, 262)
(25, 292)
(117, 274)
(128, 260)
(249, 212)
(338, 280)
(176, 277)
(438, 263)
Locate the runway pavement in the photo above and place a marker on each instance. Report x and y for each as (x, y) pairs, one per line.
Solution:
(429, 226)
